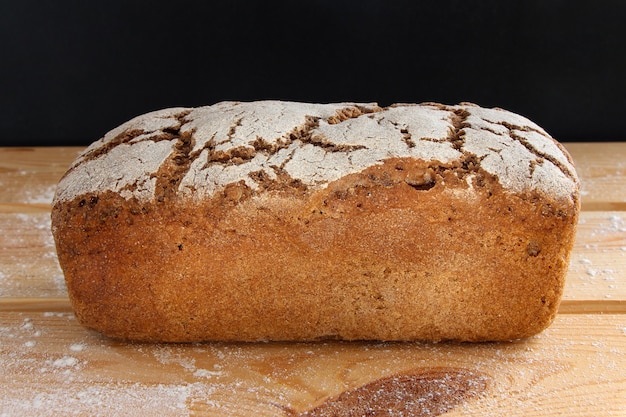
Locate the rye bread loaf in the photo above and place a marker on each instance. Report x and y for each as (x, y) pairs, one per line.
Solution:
(290, 221)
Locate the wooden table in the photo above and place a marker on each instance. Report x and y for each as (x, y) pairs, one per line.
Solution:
(49, 365)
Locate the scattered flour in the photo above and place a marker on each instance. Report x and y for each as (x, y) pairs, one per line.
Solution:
(78, 347)
(518, 373)
(39, 195)
(53, 314)
(596, 265)
(205, 373)
(110, 399)
(65, 362)
(27, 324)
(28, 259)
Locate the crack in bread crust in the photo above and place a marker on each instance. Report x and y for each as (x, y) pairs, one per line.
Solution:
(513, 129)
(135, 135)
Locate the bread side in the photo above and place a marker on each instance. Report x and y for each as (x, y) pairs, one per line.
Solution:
(292, 221)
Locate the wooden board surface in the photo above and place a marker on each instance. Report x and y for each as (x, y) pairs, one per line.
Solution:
(602, 171)
(51, 363)
(52, 366)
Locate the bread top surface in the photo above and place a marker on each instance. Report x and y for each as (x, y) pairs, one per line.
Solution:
(194, 153)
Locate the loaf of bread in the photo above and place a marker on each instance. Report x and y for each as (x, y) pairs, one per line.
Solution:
(291, 221)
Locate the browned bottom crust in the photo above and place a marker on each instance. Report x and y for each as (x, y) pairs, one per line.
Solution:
(400, 251)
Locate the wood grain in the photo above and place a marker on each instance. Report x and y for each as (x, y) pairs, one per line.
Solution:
(51, 363)
(601, 168)
(597, 272)
(28, 176)
(28, 261)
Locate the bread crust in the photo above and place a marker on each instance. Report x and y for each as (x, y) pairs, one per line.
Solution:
(404, 249)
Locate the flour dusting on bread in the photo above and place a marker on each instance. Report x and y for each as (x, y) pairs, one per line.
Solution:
(213, 146)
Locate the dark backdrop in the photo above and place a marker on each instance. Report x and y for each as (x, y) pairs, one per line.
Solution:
(72, 70)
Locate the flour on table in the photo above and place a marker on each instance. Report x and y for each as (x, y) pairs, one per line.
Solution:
(41, 195)
(28, 259)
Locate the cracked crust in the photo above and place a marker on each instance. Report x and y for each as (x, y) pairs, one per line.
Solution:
(196, 153)
(293, 221)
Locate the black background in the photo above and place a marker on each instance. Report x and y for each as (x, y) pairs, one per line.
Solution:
(72, 70)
